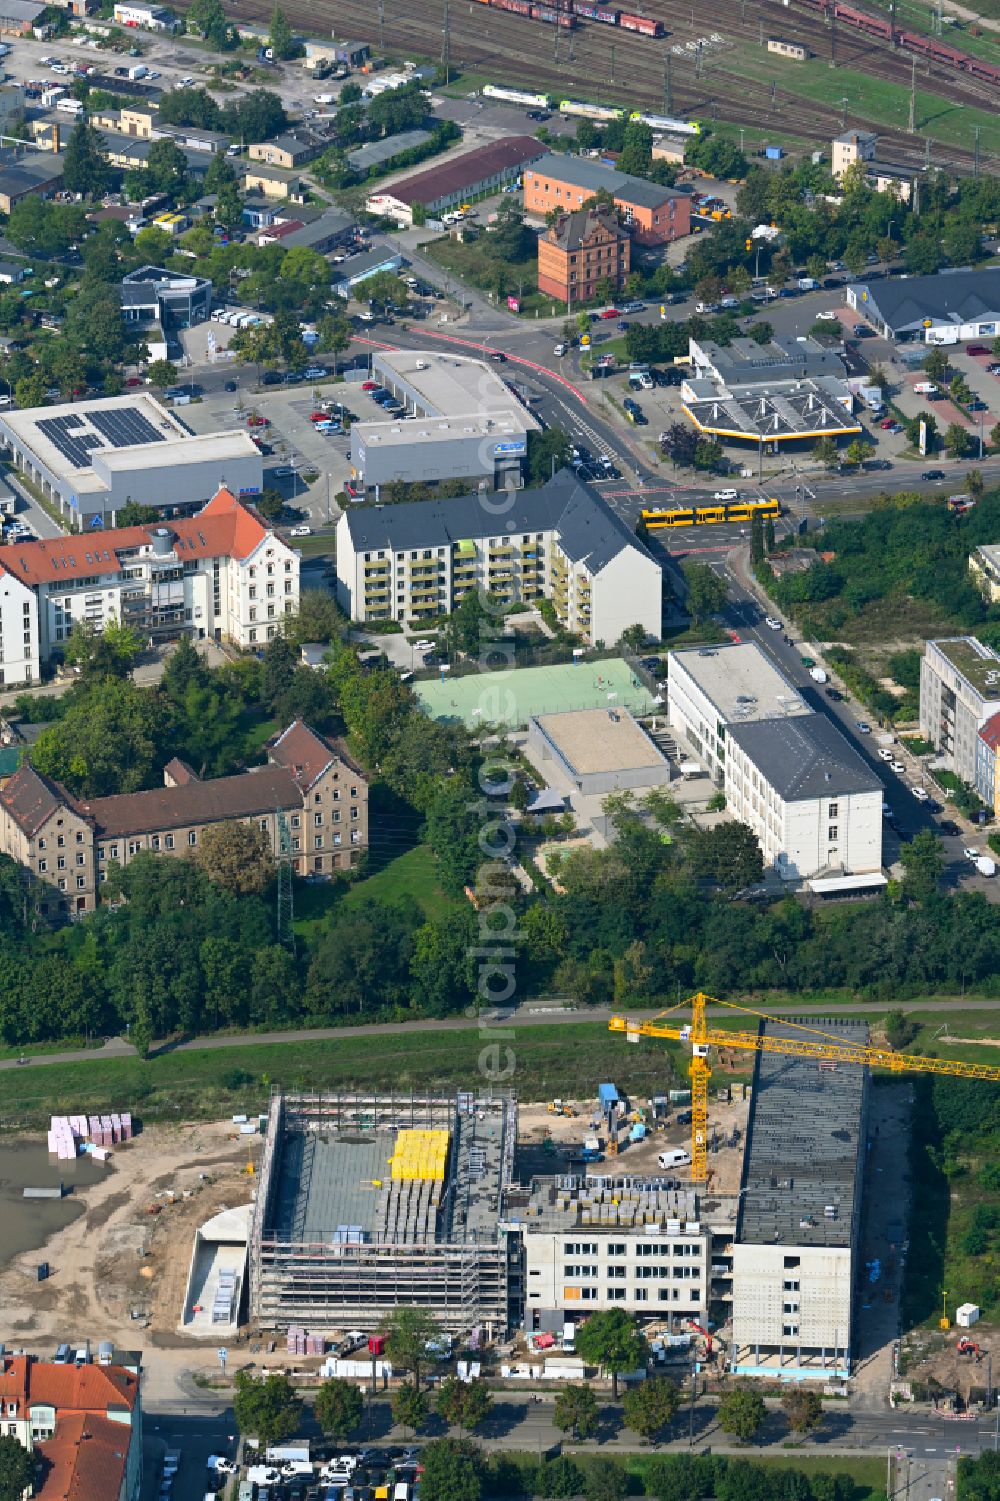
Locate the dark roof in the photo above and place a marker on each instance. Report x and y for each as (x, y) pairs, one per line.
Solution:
(588, 531)
(305, 754)
(805, 757)
(249, 794)
(465, 171)
(30, 174)
(949, 297)
(387, 149)
(571, 231)
(31, 799)
(313, 231)
(584, 173)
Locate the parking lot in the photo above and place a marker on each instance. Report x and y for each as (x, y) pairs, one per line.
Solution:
(304, 1471)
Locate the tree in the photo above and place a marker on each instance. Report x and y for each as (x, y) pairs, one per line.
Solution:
(407, 1332)
(604, 1479)
(451, 1471)
(922, 859)
(162, 373)
(85, 168)
(134, 514)
(236, 856)
(318, 619)
(17, 1469)
(266, 1406)
(936, 365)
(167, 168)
(209, 17)
(649, 1406)
(409, 1406)
(957, 440)
(334, 335)
(612, 1341)
(339, 1408)
(741, 1413)
(107, 741)
(280, 36)
(575, 1412)
(633, 637)
(706, 591)
(858, 452)
(900, 1030)
(548, 452)
(637, 152)
(110, 652)
(464, 1404)
(679, 444)
(974, 484)
(803, 1409)
(729, 856)
(473, 621)
(756, 538)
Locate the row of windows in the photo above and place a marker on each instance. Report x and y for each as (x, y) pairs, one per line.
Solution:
(43, 864)
(61, 840)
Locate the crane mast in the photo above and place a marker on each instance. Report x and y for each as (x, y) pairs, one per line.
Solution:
(813, 1043)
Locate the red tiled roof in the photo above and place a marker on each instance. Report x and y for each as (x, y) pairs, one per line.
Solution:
(279, 231)
(303, 753)
(463, 173)
(990, 732)
(68, 1388)
(85, 1460)
(249, 794)
(226, 527)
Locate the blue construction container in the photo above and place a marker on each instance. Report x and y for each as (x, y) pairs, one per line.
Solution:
(774, 153)
(607, 1094)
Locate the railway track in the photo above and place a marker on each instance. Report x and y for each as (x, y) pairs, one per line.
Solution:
(613, 66)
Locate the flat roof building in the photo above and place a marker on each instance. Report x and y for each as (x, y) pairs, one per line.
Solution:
(91, 457)
(945, 308)
(812, 801)
(798, 1234)
(598, 750)
(785, 390)
(711, 687)
(744, 362)
(959, 691)
(150, 294)
(653, 214)
(466, 424)
(466, 175)
(376, 153)
(414, 561)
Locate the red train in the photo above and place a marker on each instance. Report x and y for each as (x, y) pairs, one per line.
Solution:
(554, 15)
(565, 13)
(911, 41)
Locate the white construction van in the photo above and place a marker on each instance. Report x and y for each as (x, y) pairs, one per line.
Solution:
(676, 1157)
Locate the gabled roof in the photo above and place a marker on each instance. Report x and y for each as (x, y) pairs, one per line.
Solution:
(226, 527)
(571, 231)
(804, 758)
(587, 175)
(31, 799)
(951, 297)
(70, 1388)
(305, 754)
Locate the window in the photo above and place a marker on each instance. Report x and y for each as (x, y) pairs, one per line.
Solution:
(834, 809)
(154, 843)
(193, 837)
(169, 841)
(354, 813)
(318, 841)
(832, 833)
(41, 844)
(790, 1331)
(43, 866)
(81, 882)
(62, 885)
(317, 820)
(263, 825)
(296, 820)
(79, 838)
(61, 862)
(60, 840)
(80, 859)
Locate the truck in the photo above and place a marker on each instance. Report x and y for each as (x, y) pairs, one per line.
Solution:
(674, 1157)
(986, 866)
(808, 284)
(137, 70)
(925, 387)
(818, 675)
(281, 1453)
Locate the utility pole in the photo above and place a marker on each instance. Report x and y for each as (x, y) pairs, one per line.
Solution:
(446, 45)
(892, 24)
(975, 169)
(843, 117)
(668, 93)
(774, 93)
(694, 1394)
(913, 95)
(381, 24)
(612, 63)
(760, 31)
(927, 152)
(833, 40)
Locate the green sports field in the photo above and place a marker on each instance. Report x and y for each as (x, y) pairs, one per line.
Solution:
(512, 698)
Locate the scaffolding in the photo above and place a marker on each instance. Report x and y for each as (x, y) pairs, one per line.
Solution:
(339, 1237)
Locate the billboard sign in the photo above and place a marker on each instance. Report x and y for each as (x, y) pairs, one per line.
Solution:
(922, 442)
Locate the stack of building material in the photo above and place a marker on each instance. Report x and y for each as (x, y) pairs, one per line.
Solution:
(225, 1298)
(315, 1344)
(66, 1132)
(420, 1156)
(296, 1341)
(62, 1139)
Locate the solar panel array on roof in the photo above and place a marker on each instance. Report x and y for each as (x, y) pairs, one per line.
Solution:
(74, 445)
(124, 427)
(117, 428)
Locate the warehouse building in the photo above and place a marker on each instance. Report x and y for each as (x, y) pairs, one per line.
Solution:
(152, 295)
(744, 362)
(653, 214)
(945, 308)
(711, 688)
(795, 1257)
(418, 560)
(92, 457)
(597, 750)
(366, 1203)
(456, 180)
(468, 425)
(959, 692)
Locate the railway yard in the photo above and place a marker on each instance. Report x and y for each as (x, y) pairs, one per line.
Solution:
(717, 69)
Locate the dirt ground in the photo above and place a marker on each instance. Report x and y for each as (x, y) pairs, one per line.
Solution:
(118, 1272)
(931, 1360)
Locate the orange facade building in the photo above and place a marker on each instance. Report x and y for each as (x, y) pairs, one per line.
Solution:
(579, 252)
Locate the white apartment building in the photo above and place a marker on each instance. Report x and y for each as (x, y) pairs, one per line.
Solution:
(797, 1241)
(418, 560)
(710, 688)
(959, 691)
(610, 1242)
(221, 575)
(811, 800)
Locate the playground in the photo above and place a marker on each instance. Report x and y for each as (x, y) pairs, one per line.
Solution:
(511, 698)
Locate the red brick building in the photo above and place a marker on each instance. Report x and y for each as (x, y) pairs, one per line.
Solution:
(580, 251)
(653, 214)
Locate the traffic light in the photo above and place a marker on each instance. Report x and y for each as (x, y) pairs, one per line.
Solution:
(748, 243)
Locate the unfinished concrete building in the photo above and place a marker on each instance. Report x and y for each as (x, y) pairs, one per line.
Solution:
(364, 1203)
(796, 1251)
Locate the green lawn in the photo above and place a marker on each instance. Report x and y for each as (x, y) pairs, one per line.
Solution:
(413, 874)
(868, 1474)
(875, 98)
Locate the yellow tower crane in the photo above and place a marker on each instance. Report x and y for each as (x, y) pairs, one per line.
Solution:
(813, 1043)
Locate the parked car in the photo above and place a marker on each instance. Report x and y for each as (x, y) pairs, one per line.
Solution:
(835, 694)
(772, 623)
(884, 754)
(498, 356)
(898, 768)
(863, 727)
(271, 378)
(611, 312)
(977, 349)
(300, 531)
(932, 474)
(919, 793)
(949, 826)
